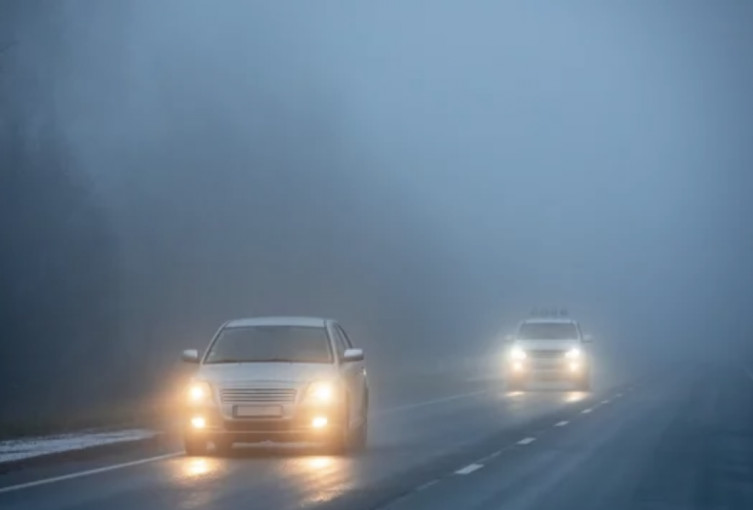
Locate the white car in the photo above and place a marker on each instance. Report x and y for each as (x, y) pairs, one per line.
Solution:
(278, 379)
(548, 349)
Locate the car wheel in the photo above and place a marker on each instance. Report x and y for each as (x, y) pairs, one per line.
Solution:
(361, 434)
(194, 445)
(340, 440)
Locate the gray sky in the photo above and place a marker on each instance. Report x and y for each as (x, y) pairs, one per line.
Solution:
(406, 163)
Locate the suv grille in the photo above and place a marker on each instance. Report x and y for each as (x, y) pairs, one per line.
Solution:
(546, 354)
(257, 395)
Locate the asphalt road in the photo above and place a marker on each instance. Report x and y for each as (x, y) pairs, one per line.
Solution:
(674, 440)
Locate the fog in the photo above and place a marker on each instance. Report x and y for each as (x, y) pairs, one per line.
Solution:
(425, 172)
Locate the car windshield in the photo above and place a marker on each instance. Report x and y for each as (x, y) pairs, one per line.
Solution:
(547, 331)
(294, 344)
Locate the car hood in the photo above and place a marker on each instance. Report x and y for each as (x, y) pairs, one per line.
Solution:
(548, 345)
(295, 373)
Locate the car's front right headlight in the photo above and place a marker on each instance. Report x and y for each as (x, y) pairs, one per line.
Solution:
(199, 392)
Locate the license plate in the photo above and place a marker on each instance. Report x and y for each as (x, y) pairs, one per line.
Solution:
(258, 411)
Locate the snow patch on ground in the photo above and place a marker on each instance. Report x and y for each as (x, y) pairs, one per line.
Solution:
(26, 448)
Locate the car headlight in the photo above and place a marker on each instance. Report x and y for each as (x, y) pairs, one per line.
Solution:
(518, 354)
(574, 353)
(199, 392)
(321, 392)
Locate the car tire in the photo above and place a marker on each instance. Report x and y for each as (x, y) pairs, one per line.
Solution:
(339, 442)
(194, 445)
(360, 436)
(515, 385)
(341, 439)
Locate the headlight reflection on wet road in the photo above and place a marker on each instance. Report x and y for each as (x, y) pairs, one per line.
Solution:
(575, 396)
(198, 467)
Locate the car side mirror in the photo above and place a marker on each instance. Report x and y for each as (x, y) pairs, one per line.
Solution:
(190, 356)
(353, 355)
(588, 339)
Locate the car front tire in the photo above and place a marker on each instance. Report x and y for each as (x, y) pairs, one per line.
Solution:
(360, 436)
(584, 384)
(194, 445)
(516, 385)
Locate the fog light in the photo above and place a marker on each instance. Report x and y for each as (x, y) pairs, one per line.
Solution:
(198, 422)
(574, 367)
(517, 366)
(319, 422)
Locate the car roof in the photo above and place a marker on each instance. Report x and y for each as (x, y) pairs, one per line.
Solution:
(277, 321)
(549, 320)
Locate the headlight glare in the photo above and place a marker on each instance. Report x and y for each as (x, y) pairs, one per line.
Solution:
(199, 392)
(573, 353)
(518, 354)
(321, 392)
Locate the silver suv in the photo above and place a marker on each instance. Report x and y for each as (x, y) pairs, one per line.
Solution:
(548, 349)
(278, 379)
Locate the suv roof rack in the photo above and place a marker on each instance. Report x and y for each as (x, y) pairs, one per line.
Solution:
(549, 312)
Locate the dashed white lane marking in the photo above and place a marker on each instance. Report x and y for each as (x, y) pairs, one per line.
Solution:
(89, 472)
(561, 423)
(417, 405)
(605, 401)
(586, 411)
(426, 485)
(619, 395)
(492, 455)
(527, 440)
(470, 468)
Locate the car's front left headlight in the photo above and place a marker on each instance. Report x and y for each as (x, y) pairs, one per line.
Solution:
(574, 353)
(518, 354)
(321, 392)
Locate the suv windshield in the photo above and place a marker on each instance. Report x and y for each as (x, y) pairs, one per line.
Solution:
(297, 344)
(547, 331)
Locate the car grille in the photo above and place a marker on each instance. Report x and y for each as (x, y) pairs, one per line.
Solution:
(546, 354)
(258, 426)
(257, 395)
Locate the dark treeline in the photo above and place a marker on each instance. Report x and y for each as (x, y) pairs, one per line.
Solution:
(115, 257)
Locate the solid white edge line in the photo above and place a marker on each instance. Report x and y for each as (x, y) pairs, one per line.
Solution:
(470, 468)
(561, 423)
(526, 440)
(416, 405)
(89, 472)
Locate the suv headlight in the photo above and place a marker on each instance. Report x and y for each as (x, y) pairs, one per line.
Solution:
(518, 354)
(199, 392)
(321, 392)
(574, 353)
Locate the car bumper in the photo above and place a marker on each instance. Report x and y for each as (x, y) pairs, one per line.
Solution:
(569, 371)
(305, 425)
